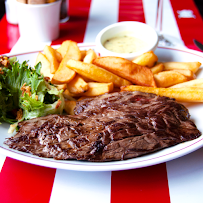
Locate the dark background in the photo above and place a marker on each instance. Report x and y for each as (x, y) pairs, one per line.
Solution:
(2, 8)
(199, 4)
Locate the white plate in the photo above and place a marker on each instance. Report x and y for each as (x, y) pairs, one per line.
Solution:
(196, 111)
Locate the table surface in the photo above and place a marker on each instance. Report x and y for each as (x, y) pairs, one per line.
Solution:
(176, 181)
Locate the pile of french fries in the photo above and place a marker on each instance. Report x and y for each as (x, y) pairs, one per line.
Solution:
(82, 73)
(36, 1)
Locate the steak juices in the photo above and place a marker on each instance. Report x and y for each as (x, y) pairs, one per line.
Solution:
(114, 126)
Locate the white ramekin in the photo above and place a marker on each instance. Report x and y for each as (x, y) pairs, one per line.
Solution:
(137, 29)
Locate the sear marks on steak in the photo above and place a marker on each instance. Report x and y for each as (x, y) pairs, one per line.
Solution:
(114, 126)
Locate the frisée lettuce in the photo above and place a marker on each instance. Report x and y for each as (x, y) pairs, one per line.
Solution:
(25, 94)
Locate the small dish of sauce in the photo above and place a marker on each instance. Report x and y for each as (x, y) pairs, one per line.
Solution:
(127, 39)
(124, 44)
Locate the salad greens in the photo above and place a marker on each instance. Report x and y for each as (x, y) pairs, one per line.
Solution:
(25, 94)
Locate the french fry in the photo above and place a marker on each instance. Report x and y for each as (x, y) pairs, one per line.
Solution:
(64, 48)
(96, 89)
(83, 54)
(157, 68)
(180, 94)
(77, 85)
(96, 73)
(51, 56)
(69, 107)
(61, 87)
(46, 66)
(73, 51)
(193, 66)
(169, 78)
(69, 49)
(196, 83)
(67, 95)
(187, 73)
(147, 59)
(22, 1)
(63, 74)
(124, 68)
(86, 79)
(90, 56)
(36, 1)
(58, 56)
(50, 1)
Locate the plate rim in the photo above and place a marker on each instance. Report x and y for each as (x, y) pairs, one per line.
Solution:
(193, 145)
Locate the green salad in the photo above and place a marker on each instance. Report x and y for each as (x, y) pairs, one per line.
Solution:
(24, 92)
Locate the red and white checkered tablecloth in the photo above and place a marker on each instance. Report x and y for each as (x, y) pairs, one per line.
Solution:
(179, 180)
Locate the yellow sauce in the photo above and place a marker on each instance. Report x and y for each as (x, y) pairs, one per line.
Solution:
(124, 44)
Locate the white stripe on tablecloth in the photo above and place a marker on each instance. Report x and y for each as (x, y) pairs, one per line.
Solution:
(150, 7)
(24, 45)
(102, 13)
(2, 160)
(76, 186)
(169, 25)
(185, 178)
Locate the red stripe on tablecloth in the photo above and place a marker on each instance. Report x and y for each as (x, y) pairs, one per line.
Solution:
(23, 182)
(190, 28)
(9, 34)
(140, 185)
(75, 28)
(131, 11)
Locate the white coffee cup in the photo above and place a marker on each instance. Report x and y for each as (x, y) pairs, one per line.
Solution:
(39, 22)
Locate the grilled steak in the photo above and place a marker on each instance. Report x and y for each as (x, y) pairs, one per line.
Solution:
(114, 126)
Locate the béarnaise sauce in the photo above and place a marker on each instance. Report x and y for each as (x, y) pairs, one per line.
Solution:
(124, 44)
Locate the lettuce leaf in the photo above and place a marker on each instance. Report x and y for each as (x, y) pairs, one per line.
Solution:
(23, 87)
